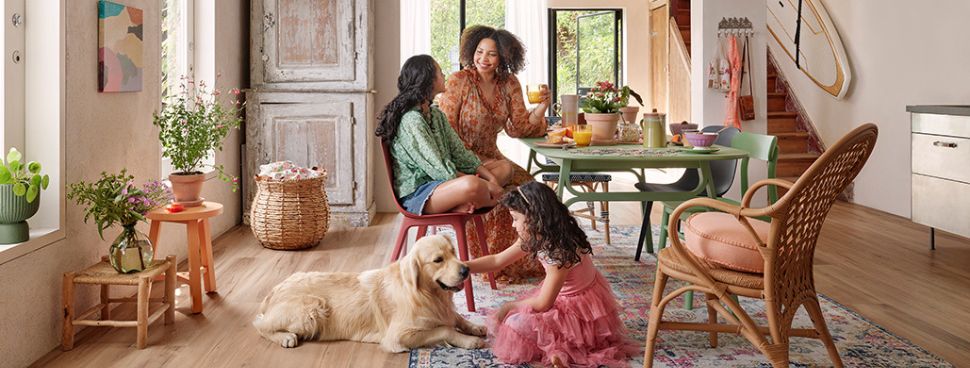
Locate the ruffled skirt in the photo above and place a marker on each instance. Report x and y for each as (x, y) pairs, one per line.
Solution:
(582, 329)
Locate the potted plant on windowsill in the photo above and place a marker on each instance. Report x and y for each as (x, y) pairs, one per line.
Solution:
(602, 105)
(20, 187)
(192, 125)
(116, 199)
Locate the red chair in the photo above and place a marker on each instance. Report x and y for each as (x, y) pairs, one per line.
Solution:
(456, 220)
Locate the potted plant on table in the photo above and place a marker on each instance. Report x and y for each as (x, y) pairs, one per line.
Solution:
(20, 187)
(602, 106)
(116, 199)
(191, 126)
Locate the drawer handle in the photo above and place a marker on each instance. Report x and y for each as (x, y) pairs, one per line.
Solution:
(945, 144)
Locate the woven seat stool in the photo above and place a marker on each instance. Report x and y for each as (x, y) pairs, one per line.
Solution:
(105, 275)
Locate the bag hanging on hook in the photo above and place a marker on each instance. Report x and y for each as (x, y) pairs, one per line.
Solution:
(746, 103)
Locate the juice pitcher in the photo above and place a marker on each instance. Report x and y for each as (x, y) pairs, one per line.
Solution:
(654, 130)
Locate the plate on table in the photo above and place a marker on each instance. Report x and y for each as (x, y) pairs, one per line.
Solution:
(701, 150)
(555, 145)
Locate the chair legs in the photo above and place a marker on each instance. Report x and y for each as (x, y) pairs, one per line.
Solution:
(711, 317)
(463, 256)
(645, 231)
(815, 313)
(656, 313)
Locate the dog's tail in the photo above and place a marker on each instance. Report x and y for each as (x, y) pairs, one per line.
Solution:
(301, 315)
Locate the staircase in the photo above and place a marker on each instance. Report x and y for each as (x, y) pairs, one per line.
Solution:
(680, 11)
(798, 144)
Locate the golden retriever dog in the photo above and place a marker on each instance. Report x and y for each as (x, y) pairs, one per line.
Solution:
(405, 305)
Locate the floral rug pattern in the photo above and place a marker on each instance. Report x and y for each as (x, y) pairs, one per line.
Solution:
(861, 343)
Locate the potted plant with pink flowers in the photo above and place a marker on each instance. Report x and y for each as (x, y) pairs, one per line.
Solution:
(191, 126)
(602, 106)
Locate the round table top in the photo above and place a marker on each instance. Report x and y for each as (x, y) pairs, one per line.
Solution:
(207, 209)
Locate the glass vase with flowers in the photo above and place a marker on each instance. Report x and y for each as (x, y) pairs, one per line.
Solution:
(115, 199)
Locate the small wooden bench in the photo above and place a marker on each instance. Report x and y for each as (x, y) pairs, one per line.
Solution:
(105, 275)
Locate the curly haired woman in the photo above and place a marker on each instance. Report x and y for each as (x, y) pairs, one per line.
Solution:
(483, 99)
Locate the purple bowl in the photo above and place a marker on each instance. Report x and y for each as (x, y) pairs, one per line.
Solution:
(700, 139)
(676, 129)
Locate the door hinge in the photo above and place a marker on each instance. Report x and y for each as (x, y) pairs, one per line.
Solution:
(355, 188)
(353, 120)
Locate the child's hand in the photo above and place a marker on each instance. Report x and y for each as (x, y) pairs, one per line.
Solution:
(495, 190)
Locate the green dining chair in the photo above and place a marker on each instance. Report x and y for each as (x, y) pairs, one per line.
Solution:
(758, 146)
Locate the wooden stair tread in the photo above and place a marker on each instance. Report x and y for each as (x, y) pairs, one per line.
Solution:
(797, 156)
(791, 135)
(782, 114)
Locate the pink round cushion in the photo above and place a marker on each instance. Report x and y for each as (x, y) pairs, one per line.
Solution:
(719, 238)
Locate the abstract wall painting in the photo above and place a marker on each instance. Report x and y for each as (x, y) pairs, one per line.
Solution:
(120, 56)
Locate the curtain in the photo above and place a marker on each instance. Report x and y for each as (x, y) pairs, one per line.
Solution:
(528, 19)
(415, 28)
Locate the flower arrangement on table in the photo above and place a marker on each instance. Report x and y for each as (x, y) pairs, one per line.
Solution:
(605, 98)
(116, 199)
(192, 124)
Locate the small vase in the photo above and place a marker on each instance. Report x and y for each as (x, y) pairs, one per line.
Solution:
(604, 126)
(131, 251)
(14, 212)
(187, 188)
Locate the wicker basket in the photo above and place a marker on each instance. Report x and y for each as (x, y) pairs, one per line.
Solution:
(290, 214)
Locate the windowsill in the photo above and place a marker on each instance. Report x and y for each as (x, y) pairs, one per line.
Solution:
(39, 238)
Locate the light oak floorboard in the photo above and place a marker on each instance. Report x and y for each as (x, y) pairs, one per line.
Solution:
(877, 264)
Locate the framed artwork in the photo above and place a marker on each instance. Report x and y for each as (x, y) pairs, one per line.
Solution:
(120, 56)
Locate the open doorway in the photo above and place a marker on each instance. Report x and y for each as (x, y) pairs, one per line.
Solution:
(584, 48)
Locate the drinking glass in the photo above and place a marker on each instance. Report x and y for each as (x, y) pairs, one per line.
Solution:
(583, 134)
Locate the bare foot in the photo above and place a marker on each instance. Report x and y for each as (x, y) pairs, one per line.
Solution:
(465, 208)
(557, 362)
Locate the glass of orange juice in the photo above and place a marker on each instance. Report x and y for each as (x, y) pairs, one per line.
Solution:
(534, 92)
(583, 134)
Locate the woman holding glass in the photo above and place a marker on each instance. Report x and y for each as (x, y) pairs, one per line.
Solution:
(483, 99)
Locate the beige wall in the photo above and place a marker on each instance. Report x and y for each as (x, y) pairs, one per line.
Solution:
(387, 54)
(901, 53)
(106, 132)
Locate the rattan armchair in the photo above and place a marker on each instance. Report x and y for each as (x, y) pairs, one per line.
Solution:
(788, 251)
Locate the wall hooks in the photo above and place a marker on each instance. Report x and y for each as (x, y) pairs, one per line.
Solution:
(735, 26)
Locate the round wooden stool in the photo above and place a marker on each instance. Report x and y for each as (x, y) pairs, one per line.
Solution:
(196, 220)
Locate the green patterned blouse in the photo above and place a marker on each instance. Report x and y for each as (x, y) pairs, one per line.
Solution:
(426, 152)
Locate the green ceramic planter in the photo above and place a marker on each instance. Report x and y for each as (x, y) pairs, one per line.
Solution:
(14, 211)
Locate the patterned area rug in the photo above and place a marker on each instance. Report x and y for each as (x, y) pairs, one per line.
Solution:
(861, 343)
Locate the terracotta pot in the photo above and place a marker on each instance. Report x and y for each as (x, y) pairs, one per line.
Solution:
(187, 187)
(604, 125)
(630, 113)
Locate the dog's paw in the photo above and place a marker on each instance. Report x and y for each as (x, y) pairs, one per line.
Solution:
(477, 330)
(470, 342)
(287, 339)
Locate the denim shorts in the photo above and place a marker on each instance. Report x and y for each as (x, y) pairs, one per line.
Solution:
(414, 202)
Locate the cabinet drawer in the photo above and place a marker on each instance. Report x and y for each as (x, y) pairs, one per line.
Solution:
(941, 203)
(941, 156)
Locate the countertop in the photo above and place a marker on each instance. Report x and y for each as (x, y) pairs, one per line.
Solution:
(962, 110)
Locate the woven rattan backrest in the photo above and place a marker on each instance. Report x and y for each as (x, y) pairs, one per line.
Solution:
(800, 213)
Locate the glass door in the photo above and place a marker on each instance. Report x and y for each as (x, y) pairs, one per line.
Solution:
(584, 49)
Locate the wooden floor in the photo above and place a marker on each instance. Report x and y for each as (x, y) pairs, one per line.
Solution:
(876, 264)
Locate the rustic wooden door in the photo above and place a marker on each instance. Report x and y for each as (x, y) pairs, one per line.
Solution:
(308, 41)
(313, 134)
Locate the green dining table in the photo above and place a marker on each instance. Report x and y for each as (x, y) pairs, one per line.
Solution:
(625, 158)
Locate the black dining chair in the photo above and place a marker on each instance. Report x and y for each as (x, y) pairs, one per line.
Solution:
(722, 172)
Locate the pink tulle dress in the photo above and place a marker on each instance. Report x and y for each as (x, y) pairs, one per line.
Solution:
(582, 328)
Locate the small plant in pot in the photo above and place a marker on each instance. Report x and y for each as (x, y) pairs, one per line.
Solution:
(191, 125)
(602, 105)
(116, 199)
(20, 187)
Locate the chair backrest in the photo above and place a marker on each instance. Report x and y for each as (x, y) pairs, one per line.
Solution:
(721, 170)
(798, 216)
(389, 165)
(759, 147)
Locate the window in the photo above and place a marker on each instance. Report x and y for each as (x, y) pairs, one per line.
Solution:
(178, 59)
(450, 17)
(584, 49)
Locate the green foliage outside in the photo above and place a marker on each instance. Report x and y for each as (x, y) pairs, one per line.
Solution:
(596, 43)
(446, 27)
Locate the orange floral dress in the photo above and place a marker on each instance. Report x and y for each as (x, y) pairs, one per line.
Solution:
(478, 122)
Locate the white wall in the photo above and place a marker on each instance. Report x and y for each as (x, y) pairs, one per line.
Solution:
(106, 132)
(387, 66)
(901, 53)
(708, 107)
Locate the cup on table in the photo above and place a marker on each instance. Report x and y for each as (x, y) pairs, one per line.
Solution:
(583, 134)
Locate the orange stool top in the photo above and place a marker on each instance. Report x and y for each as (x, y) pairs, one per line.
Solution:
(206, 210)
